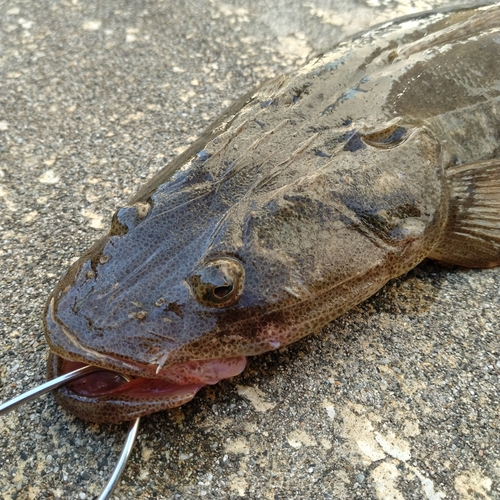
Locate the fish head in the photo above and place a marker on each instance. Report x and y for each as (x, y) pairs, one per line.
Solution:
(209, 269)
(175, 296)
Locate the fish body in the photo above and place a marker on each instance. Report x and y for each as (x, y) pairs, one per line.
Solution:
(303, 199)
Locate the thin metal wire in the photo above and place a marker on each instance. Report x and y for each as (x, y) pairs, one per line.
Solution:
(122, 460)
(27, 396)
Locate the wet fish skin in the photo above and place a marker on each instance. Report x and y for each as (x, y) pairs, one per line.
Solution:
(301, 201)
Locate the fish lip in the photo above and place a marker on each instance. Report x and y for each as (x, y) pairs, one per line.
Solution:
(59, 366)
(106, 408)
(120, 400)
(165, 386)
(175, 374)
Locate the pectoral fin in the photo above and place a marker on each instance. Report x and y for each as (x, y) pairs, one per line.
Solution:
(471, 237)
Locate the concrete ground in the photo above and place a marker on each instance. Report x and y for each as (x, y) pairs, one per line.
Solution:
(398, 399)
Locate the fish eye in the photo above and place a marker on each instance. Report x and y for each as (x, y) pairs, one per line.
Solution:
(224, 291)
(218, 283)
(387, 138)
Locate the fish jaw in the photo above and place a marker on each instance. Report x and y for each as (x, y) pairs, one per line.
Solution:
(109, 407)
(104, 396)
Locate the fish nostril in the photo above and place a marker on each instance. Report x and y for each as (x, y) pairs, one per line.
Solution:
(117, 228)
(128, 217)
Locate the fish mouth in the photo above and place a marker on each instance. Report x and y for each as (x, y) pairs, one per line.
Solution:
(104, 396)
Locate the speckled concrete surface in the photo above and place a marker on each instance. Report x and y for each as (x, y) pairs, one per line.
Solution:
(399, 399)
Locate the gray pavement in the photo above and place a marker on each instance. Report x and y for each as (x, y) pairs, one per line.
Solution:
(398, 399)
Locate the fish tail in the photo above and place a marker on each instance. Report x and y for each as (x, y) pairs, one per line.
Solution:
(471, 236)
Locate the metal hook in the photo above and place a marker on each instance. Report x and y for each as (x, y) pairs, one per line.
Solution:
(12, 404)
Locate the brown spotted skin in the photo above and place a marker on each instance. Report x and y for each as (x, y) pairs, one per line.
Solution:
(317, 188)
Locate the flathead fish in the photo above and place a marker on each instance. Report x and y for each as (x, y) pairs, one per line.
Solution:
(303, 199)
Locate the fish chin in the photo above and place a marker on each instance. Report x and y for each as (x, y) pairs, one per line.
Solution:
(104, 396)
